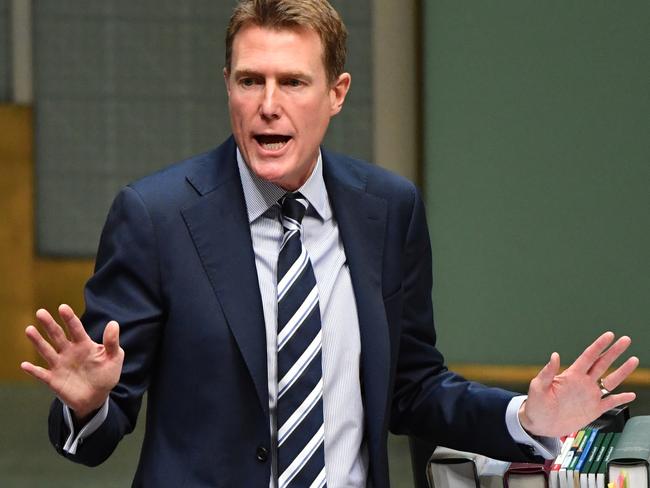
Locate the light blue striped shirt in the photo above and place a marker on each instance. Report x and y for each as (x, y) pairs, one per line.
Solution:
(345, 453)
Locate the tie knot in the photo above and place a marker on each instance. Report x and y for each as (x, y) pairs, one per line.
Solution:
(293, 206)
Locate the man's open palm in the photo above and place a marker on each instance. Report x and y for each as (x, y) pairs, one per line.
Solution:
(560, 403)
(81, 372)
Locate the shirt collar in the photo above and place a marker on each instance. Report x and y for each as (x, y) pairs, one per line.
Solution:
(260, 195)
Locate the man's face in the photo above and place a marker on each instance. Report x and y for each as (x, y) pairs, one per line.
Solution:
(281, 101)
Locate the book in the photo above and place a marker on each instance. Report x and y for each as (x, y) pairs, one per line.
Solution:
(452, 472)
(527, 475)
(631, 455)
(449, 468)
(595, 448)
(553, 475)
(613, 420)
(602, 469)
(600, 455)
(593, 433)
(610, 422)
(571, 478)
(569, 459)
(582, 462)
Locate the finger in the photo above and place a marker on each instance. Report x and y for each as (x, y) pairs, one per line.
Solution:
(44, 348)
(548, 372)
(37, 372)
(590, 355)
(618, 376)
(54, 330)
(75, 327)
(111, 338)
(612, 401)
(609, 356)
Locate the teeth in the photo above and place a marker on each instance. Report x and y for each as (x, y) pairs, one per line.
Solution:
(273, 146)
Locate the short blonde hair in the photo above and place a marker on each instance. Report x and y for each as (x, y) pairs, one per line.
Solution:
(318, 15)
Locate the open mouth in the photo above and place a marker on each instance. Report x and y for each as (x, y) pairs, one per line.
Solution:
(272, 142)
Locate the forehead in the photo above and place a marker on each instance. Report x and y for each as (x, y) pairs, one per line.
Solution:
(256, 47)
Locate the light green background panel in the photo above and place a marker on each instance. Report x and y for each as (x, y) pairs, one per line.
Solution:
(537, 181)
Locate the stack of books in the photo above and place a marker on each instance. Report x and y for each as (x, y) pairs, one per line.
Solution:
(583, 459)
(594, 457)
(628, 465)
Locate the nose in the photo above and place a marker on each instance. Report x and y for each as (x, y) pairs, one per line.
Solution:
(270, 106)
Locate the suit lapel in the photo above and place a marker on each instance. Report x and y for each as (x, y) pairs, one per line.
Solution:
(361, 219)
(218, 224)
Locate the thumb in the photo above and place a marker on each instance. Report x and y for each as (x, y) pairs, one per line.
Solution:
(111, 338)
(548, 372)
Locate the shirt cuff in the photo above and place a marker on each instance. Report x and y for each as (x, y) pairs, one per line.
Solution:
(547, 447)
(73, 442)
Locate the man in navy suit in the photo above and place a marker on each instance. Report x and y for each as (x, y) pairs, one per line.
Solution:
(186, 267)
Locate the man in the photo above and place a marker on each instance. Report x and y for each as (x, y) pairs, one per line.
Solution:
(274, 300)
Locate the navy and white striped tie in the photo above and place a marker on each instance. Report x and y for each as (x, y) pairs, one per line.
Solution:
(301, 454)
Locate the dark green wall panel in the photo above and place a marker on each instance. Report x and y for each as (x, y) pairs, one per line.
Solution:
(537, 175)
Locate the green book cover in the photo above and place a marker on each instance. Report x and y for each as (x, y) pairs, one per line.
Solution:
(602, 469)
(600, 455)
(593, 454)
(601, 452)
(632, 452)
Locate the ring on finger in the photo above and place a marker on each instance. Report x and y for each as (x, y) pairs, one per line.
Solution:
(603, 389)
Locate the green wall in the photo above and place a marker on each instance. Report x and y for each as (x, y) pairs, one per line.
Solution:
(537, 180)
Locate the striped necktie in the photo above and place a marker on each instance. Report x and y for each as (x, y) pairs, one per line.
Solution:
(301, 454)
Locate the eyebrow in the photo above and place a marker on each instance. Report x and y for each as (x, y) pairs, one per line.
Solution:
(243, 73)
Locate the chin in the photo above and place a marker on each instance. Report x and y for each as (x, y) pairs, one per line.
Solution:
(269, 172)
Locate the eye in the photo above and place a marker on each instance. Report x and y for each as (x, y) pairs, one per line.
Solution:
(247, 82)
(293, 82)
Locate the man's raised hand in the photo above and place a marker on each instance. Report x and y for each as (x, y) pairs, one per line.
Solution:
(560, 403)
(80, 371)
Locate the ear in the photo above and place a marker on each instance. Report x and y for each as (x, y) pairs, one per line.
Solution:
(338, 91)
(226, 79)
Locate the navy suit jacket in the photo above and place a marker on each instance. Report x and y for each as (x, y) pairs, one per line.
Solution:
(176, 269)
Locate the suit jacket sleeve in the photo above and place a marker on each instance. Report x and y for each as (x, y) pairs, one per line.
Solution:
(429, 401)
(125, 287)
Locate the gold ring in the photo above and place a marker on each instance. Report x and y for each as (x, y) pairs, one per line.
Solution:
(603, 388)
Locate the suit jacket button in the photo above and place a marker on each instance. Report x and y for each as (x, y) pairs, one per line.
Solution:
(262, 454)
